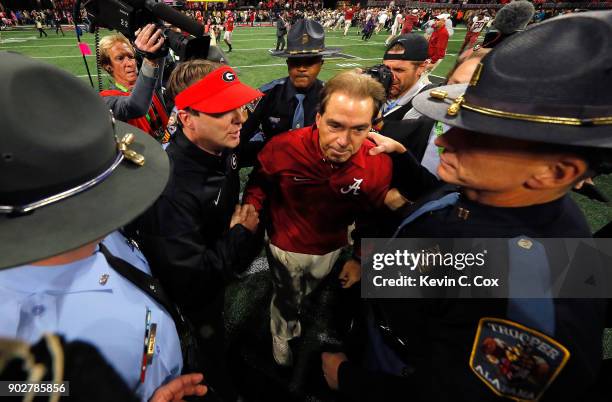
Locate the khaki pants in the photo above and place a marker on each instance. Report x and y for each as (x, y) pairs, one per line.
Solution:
(294, 276)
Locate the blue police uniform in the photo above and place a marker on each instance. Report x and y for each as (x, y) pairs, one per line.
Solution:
(430, 354)
(87, 300)
(276, 112)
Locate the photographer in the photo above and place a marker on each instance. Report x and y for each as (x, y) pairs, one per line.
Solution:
(134, 98)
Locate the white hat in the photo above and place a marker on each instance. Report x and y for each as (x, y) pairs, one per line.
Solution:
(415, 11)
(443, 16)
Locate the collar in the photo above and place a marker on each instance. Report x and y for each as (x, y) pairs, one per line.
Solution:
(533, 215)
(358, 159)
(121, 87)
(411, 93)
(85, 275)
(193, 152)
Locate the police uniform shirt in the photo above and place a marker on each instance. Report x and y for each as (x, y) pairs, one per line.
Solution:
(274, 113)
(439, 333)
(87, 300)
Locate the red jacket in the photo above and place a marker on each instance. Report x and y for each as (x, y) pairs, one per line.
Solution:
(437, 44)
(312, 203)
(409, 22)
(157, 113)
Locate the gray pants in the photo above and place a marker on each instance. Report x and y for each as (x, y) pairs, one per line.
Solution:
(280, 42)
(294, 276)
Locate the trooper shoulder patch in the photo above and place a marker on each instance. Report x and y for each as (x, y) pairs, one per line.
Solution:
(514, 361)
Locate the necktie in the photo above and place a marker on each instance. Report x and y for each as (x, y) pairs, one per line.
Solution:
(389, 106)
(530, 300)
(298, 115)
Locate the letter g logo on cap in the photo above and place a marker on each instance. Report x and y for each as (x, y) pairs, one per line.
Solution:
(228, 76)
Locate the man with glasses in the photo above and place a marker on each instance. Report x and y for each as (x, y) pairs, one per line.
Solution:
(291, 102)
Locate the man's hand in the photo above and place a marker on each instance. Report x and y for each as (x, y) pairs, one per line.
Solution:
(247, 216)
(176, 389)
(330, 365)
(394, 199)
(149, 39)
(351, 273)
(385, 144)
(581, 183)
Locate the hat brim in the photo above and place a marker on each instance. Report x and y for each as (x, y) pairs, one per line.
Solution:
(592, 136)
(230, 98)
(91, 215)
(327, 52)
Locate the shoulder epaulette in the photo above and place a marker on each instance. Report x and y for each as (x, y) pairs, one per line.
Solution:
(272, 84)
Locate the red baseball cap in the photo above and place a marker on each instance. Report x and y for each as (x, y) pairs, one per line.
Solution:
(218, 92)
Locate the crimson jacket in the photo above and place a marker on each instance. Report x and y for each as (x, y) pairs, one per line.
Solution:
(438, 43)
(311, 200)
(158, 118)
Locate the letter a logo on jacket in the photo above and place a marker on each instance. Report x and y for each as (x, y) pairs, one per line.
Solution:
(353, 187)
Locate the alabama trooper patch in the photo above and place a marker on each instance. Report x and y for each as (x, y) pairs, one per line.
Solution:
(516, 362)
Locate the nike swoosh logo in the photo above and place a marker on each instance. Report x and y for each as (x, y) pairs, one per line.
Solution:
(301, 179)
(218, 196)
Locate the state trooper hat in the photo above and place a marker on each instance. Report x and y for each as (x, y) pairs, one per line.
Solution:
(306, 38)
(551, 83)
(69, 173)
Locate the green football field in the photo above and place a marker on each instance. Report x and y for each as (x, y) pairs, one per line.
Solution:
(256, 66)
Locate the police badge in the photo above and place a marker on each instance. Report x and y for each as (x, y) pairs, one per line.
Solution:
(514, 361)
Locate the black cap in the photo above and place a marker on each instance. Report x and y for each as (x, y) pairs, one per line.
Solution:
(415, 48)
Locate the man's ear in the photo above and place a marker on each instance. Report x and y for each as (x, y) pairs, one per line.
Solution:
(560, 173)
(184, 118)
(318, 119)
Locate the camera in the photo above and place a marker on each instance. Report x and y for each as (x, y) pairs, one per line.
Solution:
(127, 16)
(382, 74)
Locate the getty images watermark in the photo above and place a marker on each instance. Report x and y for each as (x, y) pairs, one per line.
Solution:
(520, 267)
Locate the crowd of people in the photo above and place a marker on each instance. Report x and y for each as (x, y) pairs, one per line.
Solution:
(137, 265)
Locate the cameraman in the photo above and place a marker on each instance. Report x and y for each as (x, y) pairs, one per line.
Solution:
(134, 97)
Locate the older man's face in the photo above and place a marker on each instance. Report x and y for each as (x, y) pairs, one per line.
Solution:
(491, 164)
(344, 126)
(123, 64)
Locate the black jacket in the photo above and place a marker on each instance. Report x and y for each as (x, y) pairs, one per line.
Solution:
(185, 235)
(281, 28)
(438, 334)
(274, 113)
(411, 133)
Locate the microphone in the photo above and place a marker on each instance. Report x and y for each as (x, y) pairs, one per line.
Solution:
(510, 19)
(514, 17)
(170, 15)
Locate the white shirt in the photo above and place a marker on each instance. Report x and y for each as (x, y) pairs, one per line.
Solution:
(407, 97)
(398, 19)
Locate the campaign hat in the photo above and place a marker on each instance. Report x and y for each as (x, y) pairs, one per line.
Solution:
(538, 86)
(306, 38)
(69, 173)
